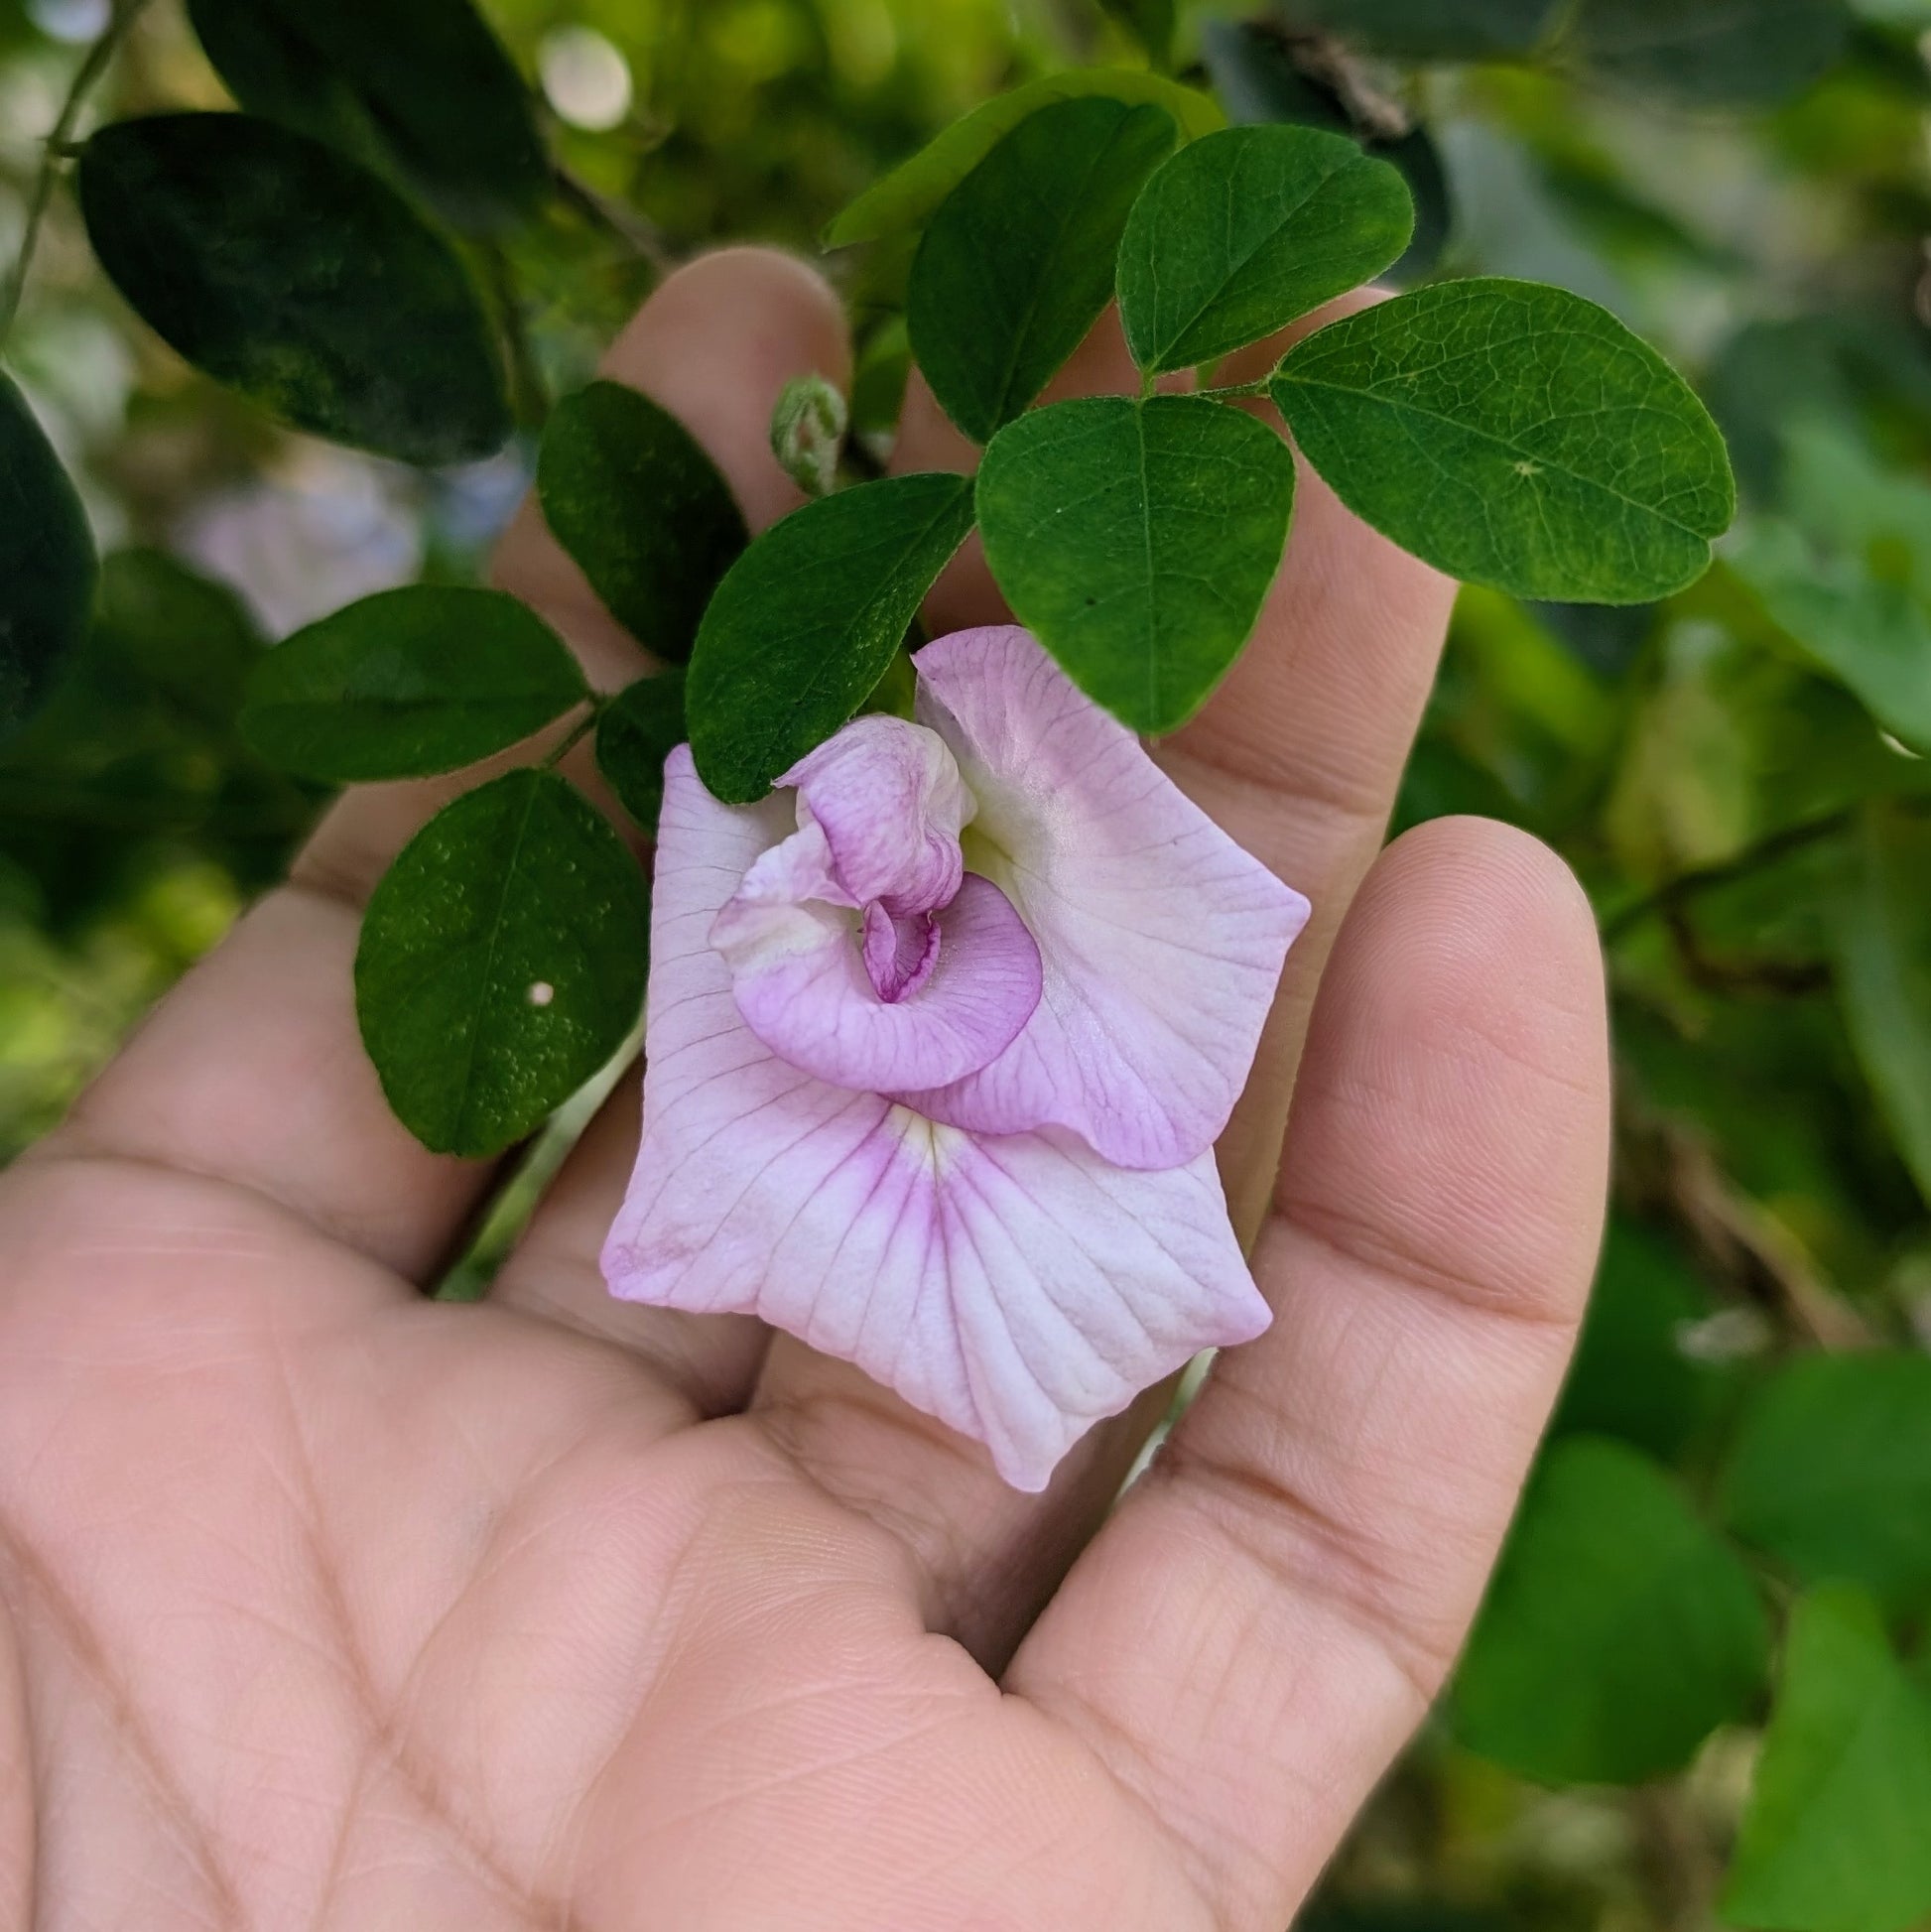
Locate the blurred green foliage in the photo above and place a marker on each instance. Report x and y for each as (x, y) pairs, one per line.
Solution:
(1738, 774)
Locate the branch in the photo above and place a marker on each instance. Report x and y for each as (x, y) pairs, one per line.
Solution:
(59, 147)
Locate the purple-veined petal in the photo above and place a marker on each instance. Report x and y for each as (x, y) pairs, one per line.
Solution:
(890, 802)
(1162, 940)
(803, 982)
(1018, 1289)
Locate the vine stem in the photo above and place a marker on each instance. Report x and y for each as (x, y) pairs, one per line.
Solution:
(59, 146)
(577, 733)
(1228, 392)
(1686, 884)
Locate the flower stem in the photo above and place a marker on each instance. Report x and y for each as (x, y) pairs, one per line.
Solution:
(60, 146)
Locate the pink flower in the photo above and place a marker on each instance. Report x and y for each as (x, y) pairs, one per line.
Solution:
(939, 1038)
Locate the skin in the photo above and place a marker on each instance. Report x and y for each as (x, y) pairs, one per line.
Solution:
(323, 1605)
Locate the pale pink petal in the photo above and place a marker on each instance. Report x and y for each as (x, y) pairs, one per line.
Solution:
(805, 986)
(890, 802)
(1162, 940)
(1018, 1289)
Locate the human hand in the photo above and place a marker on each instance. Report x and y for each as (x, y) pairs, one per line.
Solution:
(324, 1605)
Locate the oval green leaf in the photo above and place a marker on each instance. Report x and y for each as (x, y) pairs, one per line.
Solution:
(1017, 261)
(47, 566)
(640, 727)
(906, 198)
(631, 495)
(1517, 436)
(1830, 1474)
(354, 72)
(1619, 1631)
(287, 272)
(502, 963)
(1246, 229)
(1261, 79)
(1834, 1839)
(1137, 540)
(409, 682)
(805, 624)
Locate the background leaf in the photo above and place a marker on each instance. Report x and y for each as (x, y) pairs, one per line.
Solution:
(46, 563)
(1633, 1378)
(1246, 229)
(806, 620)
(640, 727)
(1846, 574)
(1619, 1631)
(906, 198)
(1152, 21)
(1513, 434)
(1137, 540)
(287, 272)
(426, 678)
(502, 963)
(1731, 51)
(1834, 1840)
(1883, 938)
(1830, 1474)
(1017, 261)
(631, 495)
(422, 81)
(189, 638)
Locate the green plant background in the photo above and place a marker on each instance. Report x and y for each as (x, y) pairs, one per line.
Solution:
(1734, 774)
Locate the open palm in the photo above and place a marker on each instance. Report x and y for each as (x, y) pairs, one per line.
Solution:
(322, 1605)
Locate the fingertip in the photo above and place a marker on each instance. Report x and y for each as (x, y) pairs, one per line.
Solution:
(715, 343)
(1457, 1069)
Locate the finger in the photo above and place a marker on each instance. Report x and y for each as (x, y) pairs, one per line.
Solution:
(252, 1070)
(1249, 1640)
(1299, 756)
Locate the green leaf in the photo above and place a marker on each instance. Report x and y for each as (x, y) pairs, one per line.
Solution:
(1019, 259)
(1137, 540)
(1847, 577)
(1631, 1378)
(287, 272)
(1517, 436)
(640, 727)
(189, 637)
(502, 963)
(906, 198)
(46, 563)
(1619, 1631)
(1830, 1474)
(1835, 1839)
(1883, 937)
(1247, 228)
(1432, 30)
(630, 494)
(357, 74)
(1743, 52)
(1152, 22)
(409, 682)
(1259, 81)
(805, 624)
